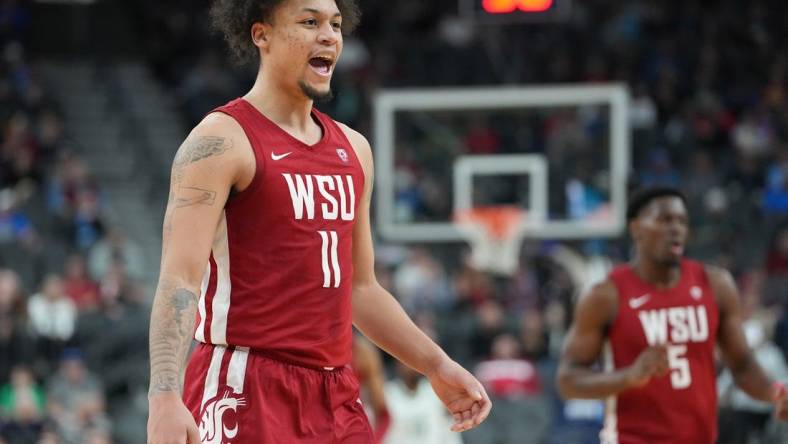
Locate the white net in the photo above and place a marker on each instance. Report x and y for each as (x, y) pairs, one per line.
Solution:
(495, 237)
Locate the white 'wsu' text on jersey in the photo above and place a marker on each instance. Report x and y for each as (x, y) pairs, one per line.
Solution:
(337, 192)
(675, 325)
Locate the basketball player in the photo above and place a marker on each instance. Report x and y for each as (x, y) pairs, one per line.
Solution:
(368, 366)
(662, 315)
(266, 243)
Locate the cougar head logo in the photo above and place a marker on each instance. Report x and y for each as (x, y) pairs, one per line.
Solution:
(212, 428)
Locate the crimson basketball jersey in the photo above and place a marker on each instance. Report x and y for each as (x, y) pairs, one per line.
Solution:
(680, 407)
(280, 270)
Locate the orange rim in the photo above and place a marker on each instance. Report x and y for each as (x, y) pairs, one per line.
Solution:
(500, 221)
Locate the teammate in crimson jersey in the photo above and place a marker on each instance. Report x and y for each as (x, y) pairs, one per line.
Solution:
(267, 244)
(662, 316)
(368, 366)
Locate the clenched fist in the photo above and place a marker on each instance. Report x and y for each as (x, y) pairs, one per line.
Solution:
(652, 362)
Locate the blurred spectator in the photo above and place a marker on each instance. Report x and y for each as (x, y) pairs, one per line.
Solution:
(122, 357)
(206, 86)
(506, 374)
(521, 414)
(16, 344)
(116, 249)
(660, 171)
(472, 287)
(18, 153)
(417, 415)
(643, 112)
(72, 381)
(24, 426)
(555, 323)
(15, 226)
(53, 317)
(74, 196)
(420, 282)
(704, 177)
(533, 335)
(78, 285)
(480, 138)
(582, 199)
(753, 135)
(52, 313)
(566, 137)
(97, 435)
(50, 135)
(85, 422)
(48, 437)
(490, 322)
(22, 389)
(22, 400)
(76, 400)
(712, 224)
(523, 289)
(777, 259)
(775, 199)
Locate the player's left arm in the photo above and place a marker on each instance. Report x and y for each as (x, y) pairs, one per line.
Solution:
(381, 318)
(746, 372)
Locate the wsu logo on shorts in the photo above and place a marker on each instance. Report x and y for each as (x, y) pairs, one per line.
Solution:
(212, 427)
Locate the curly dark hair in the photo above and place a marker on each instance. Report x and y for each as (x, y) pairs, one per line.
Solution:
(641, 198)
(234, 19)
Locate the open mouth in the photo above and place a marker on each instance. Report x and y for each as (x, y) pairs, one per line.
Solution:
(677, 248)
(322, 65)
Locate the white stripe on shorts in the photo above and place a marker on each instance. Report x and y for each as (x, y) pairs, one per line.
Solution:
(212, 376)
(236, 371)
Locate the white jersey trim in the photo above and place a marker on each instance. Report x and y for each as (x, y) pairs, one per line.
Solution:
(221, 300)
(199, 334)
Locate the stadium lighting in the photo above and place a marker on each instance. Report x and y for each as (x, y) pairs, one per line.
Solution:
(503, 11)
(509, 6)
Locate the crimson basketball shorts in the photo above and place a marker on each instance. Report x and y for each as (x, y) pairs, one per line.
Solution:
(238, 396)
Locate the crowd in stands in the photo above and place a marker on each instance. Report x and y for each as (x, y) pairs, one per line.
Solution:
(73, 321)
(709, 115)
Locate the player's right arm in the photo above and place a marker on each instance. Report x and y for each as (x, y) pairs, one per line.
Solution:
(206, 167)
(577, 376)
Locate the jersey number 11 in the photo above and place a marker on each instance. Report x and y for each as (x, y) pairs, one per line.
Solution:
(330, 259)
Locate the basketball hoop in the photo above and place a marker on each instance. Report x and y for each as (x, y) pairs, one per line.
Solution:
(495, 236)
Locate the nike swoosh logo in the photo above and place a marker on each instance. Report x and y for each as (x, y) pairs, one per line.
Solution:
(280, 156)
(639, 302)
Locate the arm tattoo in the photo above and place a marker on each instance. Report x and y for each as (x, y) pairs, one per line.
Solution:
(171, 330)
(174, 308)
(198, 149)
(194, 196)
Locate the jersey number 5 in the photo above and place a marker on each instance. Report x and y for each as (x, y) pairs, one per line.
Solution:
(330, 259)
(680, 375)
